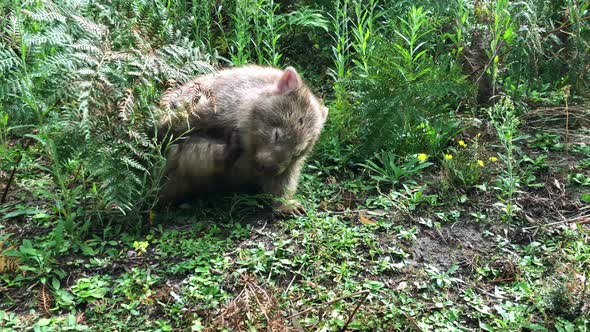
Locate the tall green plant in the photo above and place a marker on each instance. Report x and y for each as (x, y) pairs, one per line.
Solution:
(504, 119)
(405, 103)
(240, 53)
(501, 35)
(203, 22)
(363, 32)
(268, 26)
(579, 50)
(460, 26)
(341, 39)
(412, 44)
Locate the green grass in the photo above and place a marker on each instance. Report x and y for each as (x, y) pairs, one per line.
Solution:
(437, 265)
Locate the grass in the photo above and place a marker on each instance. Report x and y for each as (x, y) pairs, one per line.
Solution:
(439, 265)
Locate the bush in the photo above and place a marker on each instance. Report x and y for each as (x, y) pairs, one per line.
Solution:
(406, 102)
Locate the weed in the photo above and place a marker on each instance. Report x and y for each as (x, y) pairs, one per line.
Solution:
(442, 279)
(389, 172)
(341, 45)
(241, 40)
(504, 119)
(502, 34)
(464, 166)
(91, 289)
(363, 32)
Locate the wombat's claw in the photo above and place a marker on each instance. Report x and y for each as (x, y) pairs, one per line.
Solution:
(289, 208)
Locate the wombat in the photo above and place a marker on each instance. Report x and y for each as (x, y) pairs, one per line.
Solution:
(277, 119)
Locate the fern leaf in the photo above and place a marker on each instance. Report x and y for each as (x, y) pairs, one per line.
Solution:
(133, 164)
(94, 29)
(43, 15)
(8, 264)
(45, 300)
(126, 105)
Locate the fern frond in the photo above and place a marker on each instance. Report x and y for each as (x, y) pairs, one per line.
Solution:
(8, 60)
(89, 47)
(126, 105)
(92, 28)
(45, 300)
(133, 164)
(11, 34)
(8, 264)
(42, 15)
(57, 36)
(56, 64)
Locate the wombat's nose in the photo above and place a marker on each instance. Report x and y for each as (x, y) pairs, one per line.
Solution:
(267, 168)
(271, 168)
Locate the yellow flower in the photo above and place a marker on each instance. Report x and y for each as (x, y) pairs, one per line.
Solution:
(493, 159)
(422, 156)
(448, 156)
(480, 163)
(462, 143)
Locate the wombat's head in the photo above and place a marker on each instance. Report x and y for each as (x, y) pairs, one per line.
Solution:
(286, 121)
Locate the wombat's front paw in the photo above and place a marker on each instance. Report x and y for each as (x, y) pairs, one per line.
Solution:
(288, 208)
(233, 138)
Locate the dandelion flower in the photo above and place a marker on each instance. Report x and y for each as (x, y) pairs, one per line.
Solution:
(448, 157)
(422, 156)
(480, 163)
(493, 159)
(462, 143)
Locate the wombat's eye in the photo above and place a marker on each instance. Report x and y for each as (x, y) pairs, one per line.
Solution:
(301, 121)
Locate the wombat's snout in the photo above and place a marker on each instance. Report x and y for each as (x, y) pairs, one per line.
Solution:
(267, 167)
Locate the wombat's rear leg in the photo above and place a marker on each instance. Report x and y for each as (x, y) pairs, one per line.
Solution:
(185, 108)
(192, 164)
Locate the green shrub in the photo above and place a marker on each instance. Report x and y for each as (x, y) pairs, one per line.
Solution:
(406, 103)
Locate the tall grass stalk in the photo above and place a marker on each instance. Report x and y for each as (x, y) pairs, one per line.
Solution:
(241, 20)
(579, 52)
(273, 28)
(412, 46)
(363, 30)
(267, 29)
(461, 16)
(340, 36)
(203, 21)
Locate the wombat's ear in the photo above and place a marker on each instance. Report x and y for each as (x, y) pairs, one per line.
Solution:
(289, 81)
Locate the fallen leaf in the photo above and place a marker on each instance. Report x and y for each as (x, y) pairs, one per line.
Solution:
(309, 283)
(365, 220)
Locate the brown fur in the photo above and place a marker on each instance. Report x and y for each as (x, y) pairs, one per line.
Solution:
(276, 115)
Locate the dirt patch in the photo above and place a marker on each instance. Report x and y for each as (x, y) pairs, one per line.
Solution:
(453, 244)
